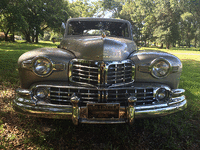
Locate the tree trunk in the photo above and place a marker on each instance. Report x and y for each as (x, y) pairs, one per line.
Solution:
(195, 42)
(37, 34)
(28, 39)
(33, 38)
(161, 45)
(179, 43)
(13, 37)
(6, 35)
(174, 44)
(167, 46)
(189, 43)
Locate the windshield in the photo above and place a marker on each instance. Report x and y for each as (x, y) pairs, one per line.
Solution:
(97, 27)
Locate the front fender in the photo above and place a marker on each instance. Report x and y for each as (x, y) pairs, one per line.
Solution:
(56, 55)
(144, 58)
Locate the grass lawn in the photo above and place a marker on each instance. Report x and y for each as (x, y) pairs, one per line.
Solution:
(177, 131)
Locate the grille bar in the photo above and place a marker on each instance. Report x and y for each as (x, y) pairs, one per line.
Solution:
(84, 71)
(87, 79)
(80, 74)
(84, 66)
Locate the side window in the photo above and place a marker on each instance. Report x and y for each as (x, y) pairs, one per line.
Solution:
(74, 28)
(70, 30)
(125, 32)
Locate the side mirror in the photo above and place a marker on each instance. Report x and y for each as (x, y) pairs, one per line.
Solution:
(62, 29)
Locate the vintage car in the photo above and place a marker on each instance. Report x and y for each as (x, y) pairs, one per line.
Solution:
(98, 75)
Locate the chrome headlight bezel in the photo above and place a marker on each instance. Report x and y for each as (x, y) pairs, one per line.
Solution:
(48, 63)
(155, 63)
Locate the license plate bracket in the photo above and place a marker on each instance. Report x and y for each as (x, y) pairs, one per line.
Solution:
(103, 110)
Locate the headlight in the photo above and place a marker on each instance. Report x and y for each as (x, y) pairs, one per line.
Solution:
(40, 93)
(42, 66)
(160, 68)
(161, 95)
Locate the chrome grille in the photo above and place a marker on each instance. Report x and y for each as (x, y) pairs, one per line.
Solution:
(101, 74)
(119, 73)
(62, 96)
(84, 72)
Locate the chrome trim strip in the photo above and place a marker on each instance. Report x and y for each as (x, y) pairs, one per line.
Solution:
(176, 100)
(177, 92)
(161, 111)
(102, 121)
(23, 91)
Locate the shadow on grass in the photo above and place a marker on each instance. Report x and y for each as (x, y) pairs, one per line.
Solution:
(156, 133)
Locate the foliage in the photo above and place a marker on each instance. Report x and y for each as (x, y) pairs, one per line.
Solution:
(43, 14)
(114, 6)
(168, 22)
(82, 8)
(10, 17)
(32, 17)
(164, 21)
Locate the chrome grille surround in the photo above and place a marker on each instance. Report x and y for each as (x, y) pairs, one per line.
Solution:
(62, 95)
(100, 73)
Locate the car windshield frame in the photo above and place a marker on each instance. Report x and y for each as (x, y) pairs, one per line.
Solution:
(110, 28)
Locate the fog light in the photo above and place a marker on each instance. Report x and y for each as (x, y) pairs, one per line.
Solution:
(41, 93)
(161, 94)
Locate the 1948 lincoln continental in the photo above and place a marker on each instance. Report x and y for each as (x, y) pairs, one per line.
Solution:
(98, 75)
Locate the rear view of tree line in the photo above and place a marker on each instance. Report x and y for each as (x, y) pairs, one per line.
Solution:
(33, 17)
(169, 22)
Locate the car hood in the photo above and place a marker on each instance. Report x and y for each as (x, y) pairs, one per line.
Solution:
(98, 48)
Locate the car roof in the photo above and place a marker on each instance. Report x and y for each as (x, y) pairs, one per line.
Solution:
(98, 19)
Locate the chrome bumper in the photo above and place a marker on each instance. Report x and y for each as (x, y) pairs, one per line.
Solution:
(26, 105)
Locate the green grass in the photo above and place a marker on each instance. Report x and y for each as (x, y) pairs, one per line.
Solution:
(178, 131)
(10, 53)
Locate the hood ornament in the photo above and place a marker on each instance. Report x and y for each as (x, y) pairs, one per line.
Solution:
(102, 66)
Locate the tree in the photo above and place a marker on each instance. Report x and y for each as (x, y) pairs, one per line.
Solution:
(140, 14)
(166, 28)
(83, 8)
(11, 17)
(190, 21)
(43, 14)
(113, 6)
